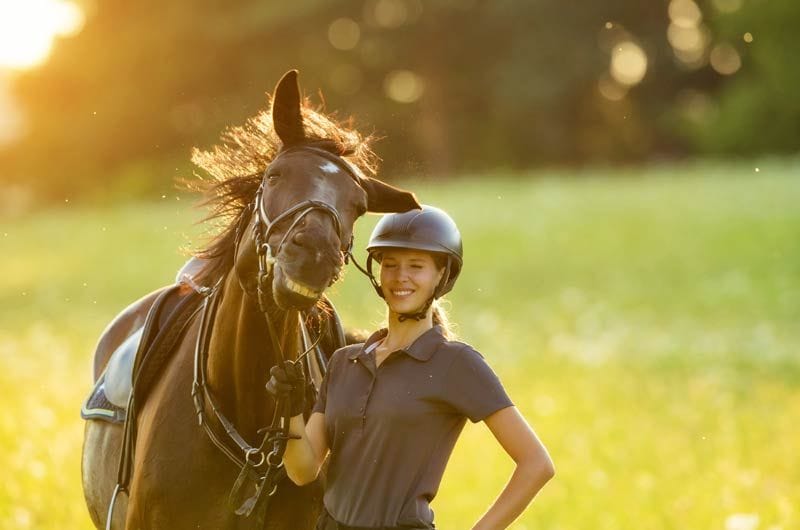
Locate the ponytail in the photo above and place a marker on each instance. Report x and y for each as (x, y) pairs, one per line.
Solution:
(440, 318)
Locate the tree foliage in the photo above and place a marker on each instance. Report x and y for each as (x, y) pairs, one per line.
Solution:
(450, 85)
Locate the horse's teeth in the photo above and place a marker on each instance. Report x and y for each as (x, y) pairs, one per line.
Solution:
(301, 289)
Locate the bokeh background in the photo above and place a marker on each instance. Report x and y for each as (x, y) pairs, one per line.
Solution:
(625, 175)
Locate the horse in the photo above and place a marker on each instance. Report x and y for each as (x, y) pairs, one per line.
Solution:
(288, 186)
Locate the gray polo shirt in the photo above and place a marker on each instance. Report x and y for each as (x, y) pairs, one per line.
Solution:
(392, 429)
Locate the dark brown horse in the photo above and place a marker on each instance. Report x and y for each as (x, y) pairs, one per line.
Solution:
(179, 478)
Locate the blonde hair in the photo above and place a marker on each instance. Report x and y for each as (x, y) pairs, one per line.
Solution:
(441, 318)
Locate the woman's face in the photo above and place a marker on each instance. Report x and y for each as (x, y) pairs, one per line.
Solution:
(408, 279)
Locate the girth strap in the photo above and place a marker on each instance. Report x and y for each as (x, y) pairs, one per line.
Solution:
(156, 345)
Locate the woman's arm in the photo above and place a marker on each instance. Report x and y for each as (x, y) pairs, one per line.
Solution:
(304, 456)
(534, 468)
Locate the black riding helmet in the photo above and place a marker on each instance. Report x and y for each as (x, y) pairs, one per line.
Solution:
(429, 229)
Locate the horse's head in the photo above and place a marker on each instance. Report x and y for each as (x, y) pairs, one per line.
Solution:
(302, 219)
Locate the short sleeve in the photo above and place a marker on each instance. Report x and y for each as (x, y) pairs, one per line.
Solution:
(472, 387)
(322, 397)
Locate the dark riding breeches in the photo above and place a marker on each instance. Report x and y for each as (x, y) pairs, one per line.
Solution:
(326, 522)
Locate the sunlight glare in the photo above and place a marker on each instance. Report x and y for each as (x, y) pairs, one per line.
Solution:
(29, 27)
(725, 59)
(628, 63)
(684, 13)
(403, 86)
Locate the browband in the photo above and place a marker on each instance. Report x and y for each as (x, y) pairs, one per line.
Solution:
(340, 162)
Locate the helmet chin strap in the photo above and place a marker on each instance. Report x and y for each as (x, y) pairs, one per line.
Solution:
(419, 315)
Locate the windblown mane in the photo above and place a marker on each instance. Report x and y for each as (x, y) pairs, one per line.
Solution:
(233, 169)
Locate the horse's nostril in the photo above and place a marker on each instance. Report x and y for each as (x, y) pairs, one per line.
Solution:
(300, 239)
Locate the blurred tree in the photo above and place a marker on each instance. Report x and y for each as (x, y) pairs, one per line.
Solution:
(450, 84)
(121, 104)
(752, 108)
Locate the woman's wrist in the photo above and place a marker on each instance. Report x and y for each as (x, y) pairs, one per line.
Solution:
(297, 427)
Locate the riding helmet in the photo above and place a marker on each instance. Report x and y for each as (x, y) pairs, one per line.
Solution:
(429, 229)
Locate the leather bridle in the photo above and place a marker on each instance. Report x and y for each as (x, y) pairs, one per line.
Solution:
(261, 465)
(263, 226)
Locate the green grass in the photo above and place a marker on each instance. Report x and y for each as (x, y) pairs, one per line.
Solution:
(645, 323)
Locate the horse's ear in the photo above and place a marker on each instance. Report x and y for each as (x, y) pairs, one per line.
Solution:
(286, 117)
(383, 198)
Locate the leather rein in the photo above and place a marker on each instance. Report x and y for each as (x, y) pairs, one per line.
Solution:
(261, 465)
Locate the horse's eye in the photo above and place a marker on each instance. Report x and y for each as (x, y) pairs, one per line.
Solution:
(272, 178)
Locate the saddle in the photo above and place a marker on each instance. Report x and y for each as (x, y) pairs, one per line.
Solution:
(138, 361)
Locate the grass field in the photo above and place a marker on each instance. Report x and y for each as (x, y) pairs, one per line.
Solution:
(646, 323)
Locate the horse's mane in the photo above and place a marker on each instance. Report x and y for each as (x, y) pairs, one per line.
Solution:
(232, 171)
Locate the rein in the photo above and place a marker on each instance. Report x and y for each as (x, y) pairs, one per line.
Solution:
(252, 459)
(248, 458)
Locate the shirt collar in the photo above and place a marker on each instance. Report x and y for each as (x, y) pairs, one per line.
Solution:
(422, 349)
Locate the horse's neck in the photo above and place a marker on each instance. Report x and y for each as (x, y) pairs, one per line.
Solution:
(241, 354)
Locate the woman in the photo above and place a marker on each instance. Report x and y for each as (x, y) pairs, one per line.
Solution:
(390, 410)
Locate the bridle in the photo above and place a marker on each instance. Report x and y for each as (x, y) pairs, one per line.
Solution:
(261, 465)
(263, 226)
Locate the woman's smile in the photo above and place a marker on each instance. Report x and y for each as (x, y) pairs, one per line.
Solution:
(404, 299)
(409, 278)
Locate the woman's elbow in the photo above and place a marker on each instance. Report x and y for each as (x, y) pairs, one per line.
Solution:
(301, 481)
(301, 473)
(302, 478)
(540, 470)
(548, 470)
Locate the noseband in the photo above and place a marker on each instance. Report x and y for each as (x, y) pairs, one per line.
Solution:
(263, 225)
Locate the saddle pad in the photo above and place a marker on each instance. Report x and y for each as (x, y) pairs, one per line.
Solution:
(98, 407)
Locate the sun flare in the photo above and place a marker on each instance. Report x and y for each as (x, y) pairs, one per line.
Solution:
(28, 29)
